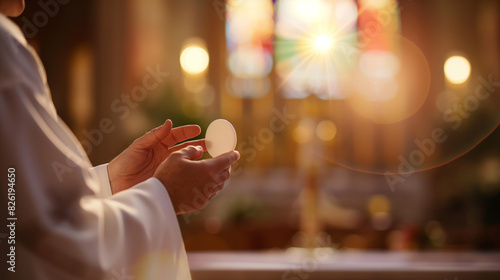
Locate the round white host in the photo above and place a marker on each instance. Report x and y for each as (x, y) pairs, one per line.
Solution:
(220, 137)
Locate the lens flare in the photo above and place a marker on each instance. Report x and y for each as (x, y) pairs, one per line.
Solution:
(323, 43)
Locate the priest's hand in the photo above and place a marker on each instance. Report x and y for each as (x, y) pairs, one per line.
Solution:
(141, 159)
(191, 183)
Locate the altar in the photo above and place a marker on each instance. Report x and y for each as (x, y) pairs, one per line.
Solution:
(344, 265)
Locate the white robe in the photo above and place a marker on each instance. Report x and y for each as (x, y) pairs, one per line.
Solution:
(68, 225)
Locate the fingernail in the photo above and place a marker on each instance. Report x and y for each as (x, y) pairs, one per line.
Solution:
(199, 147)
(237, 155)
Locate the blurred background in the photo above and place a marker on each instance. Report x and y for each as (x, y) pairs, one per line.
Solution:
(371, 122)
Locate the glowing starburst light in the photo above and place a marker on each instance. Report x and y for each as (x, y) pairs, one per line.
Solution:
(323, 43)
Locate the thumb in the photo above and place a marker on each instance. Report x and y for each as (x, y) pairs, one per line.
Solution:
(192, 152)
(155, 135)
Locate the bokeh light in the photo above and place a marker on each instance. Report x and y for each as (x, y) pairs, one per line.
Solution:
(379, 204)
(326, 130)
(194, 59)
(457, 69)
(303, 132)
(435, 233)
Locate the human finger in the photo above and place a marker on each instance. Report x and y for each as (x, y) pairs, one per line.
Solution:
(223, 176)
(155, 135)
(215, 190)
(181, 133)
(200, 142)
(191, 152)
(223, 161)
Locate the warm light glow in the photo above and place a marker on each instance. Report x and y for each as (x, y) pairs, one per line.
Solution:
(311, 43)
(380, 69)
(308, 9)
(379, 89)
(323, 43)
(326, 130)
(247, 62)
(302, 133)
(379, 64)
(379, 204)
(375, 4)
(249, 47)
(457, 69)
(194, 59)
(346, 11)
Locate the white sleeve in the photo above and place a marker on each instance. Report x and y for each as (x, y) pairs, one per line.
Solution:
(103, 177)
(63, 229)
